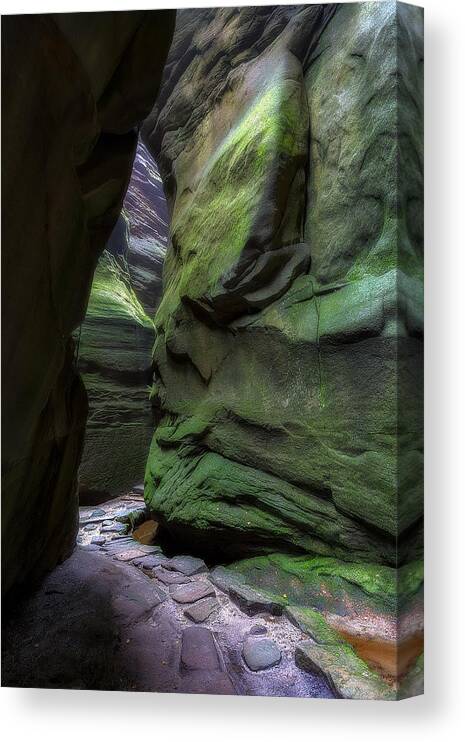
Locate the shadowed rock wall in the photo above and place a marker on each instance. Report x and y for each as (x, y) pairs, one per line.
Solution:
(288, 355)
(73, 89)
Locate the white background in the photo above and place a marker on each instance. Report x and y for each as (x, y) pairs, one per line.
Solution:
(81, 715)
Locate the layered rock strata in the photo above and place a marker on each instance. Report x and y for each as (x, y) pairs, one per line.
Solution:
(116, 338)
(288, 355)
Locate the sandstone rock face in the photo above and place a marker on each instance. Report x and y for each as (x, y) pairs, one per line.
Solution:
(116, 338)
(288, 351)
(147, 214)
(68, 144)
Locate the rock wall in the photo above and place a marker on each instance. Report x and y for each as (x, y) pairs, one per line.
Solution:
(74, 87)
(114, 343)
(147, 215)
(288, 358)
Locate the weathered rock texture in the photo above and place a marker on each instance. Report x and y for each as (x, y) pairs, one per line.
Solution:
(288, 354)
(68, 145)
(114, 343)
(147, 215)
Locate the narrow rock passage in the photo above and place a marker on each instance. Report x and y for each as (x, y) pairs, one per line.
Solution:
(120, 615)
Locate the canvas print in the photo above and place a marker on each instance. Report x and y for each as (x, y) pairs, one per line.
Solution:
(212, 323)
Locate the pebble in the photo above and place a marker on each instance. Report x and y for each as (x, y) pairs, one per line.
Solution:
(90, 527)
(257, 629)
(259, 654)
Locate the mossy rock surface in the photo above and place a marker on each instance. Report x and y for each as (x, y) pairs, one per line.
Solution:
(330, 585)
(356, 658)
(288, 358)
(348, 676)
(115, 344)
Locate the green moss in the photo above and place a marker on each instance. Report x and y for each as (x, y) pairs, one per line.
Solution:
(312, 622)
(309, 578)
(347, 674)
(377, 262)
(211, 231)
(112, 294)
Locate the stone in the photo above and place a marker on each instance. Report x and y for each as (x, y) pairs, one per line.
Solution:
(119, 543)
(128, 556)
(260, 654)
(188, 565)
(252, 601)
(249, 596)
(146, 532)
(131, 516)
(169, 578)
(198, 650)
(150, 561)
(199, 612)
(192, 592)
(90, 527)
(150, 548)
(115, 528)
(98, 540)
(348, 676)
(99, 513)
(224, 578)
(257, 629)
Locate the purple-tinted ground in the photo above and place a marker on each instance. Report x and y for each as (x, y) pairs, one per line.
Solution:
(101, 622)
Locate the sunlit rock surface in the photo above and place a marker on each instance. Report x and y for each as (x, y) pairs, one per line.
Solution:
(147, 216)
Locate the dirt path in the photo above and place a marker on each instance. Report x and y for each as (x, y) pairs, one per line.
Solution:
(121, 616)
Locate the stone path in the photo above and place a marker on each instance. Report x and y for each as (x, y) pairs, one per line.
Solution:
(121, 615)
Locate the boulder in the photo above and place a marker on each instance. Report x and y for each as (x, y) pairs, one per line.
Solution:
(260, 654)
